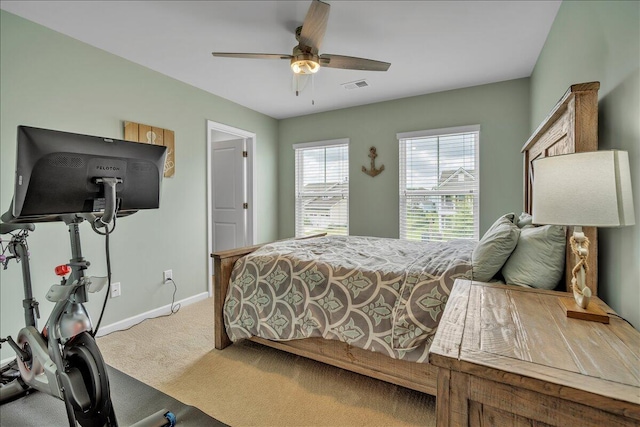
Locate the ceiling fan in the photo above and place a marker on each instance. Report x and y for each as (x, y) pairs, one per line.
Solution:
(305, 58)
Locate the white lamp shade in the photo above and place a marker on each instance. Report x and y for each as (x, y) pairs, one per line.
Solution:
(583, 189)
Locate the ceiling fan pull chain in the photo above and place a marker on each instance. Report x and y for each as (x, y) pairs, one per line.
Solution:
(313, 90)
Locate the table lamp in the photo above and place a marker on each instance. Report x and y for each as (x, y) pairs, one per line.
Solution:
(583, 189)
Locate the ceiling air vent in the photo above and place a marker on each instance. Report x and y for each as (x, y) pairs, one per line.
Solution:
(358, 84)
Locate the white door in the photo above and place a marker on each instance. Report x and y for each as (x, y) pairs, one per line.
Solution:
(229, 213)
(231, 182)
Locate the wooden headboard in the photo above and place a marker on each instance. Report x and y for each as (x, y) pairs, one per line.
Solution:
(570, 127)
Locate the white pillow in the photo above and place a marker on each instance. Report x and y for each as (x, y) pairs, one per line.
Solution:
(538, 259)
(495, 247)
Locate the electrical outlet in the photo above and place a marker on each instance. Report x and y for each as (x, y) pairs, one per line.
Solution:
(115, 290)
(167, 275)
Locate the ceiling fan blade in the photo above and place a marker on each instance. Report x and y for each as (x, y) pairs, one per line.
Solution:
(314, 26)
(352, 63)
(252, 55)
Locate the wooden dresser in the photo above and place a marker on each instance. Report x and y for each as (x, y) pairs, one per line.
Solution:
(509, 356)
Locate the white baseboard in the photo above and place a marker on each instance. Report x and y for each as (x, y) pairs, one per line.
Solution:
(131, 321)
(7, 360)
(160, 311)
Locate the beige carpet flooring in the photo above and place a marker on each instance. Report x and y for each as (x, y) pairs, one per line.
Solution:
(248, 384)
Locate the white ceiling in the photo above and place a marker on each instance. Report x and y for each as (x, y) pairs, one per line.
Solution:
(432, 45)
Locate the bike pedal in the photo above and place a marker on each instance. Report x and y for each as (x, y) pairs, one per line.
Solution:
(23, 355)
(9, 376)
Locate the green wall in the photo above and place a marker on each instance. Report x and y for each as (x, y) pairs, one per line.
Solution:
(600, 41)
(501, 110)
(52, 81)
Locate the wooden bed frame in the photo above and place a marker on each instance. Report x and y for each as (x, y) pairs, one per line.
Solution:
(572, 126)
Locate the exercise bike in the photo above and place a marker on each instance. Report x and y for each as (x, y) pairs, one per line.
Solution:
(62, 359)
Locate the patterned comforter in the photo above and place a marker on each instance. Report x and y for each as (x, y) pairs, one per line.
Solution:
(379, 294)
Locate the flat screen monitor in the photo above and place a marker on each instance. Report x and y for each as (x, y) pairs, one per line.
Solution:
(59, 173)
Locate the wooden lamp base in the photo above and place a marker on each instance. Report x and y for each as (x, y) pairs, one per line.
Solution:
(592, 312)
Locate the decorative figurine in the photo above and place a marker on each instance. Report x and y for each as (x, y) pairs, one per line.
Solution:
(373, 171)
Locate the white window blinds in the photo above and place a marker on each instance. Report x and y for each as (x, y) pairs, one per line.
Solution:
(439, 184)
(322, 187)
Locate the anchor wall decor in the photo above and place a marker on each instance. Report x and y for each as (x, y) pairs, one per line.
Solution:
(373, 171)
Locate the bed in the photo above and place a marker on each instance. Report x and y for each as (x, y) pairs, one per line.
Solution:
(371, 305)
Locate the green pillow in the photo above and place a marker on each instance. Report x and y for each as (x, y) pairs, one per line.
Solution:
(495, 247)
(524, 219)
(538, 260)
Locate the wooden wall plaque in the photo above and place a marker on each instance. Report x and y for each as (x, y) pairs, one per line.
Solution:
(138, 132)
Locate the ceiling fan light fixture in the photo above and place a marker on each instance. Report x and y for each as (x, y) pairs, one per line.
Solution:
(305, 58)
(305, 64)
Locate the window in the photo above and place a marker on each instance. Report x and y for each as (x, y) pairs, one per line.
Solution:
(439, 185)
(322, 187)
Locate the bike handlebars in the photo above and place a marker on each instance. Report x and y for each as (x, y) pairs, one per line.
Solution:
(6, 228)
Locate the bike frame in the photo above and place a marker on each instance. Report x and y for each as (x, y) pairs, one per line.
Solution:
(40, 355)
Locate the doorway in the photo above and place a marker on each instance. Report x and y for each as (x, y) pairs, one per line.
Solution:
(231, 199)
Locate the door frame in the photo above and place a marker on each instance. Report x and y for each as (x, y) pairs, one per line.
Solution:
(250, 186)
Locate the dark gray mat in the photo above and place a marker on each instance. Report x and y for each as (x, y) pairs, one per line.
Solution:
(132, 401)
